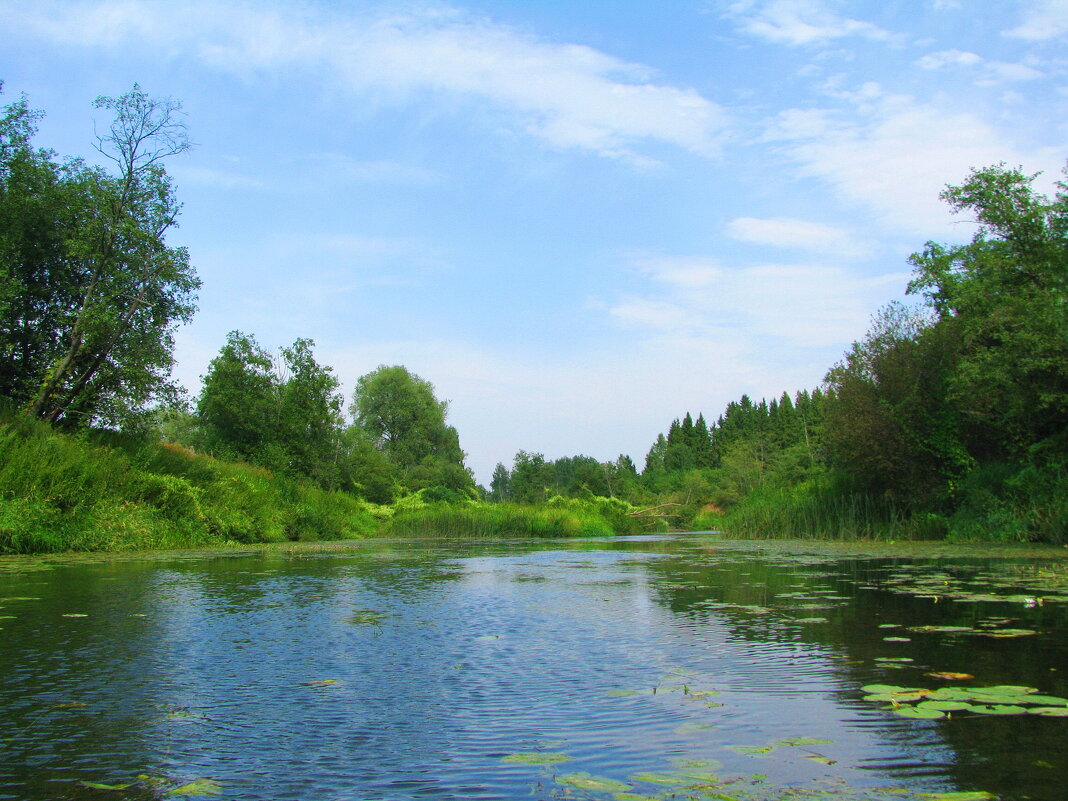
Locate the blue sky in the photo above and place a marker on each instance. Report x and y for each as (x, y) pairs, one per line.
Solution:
(578, 220)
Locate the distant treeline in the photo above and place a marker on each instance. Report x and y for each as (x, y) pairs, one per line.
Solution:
(949, 419)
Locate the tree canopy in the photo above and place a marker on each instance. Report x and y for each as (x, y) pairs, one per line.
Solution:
(90, 290)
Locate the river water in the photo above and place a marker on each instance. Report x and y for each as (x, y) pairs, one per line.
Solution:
(648, 667)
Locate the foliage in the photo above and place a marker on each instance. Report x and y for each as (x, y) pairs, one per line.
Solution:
(284, 417)
(949, 420)
(400, 416)
(89, 289)
(110, 491)
(498, 520)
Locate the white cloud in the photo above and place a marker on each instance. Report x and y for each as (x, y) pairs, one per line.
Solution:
(894, 157)
(990, 73)
(1043, 20)
(804, 305)
(570, 96)
(784, 232)
(949, 58)
(801, 22)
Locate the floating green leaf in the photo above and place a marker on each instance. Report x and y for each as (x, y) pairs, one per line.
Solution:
(823, 760)
(198, 787)
(959, 795)
(584, 781)
(917, 712)
(536, 758)
(657, 778)
(803, 741)
(102, 786)
(945, 706)
(889, 688)
(999, 709)
(1050, 711)
(752, 750)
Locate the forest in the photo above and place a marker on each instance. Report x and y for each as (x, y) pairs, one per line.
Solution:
(948, 420)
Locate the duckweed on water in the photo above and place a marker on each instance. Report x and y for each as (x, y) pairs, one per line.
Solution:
(536, 758)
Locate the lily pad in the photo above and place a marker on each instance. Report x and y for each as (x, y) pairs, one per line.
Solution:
(999, 709)
(945, 706)
(889, 688)
(198, 787)
(959, 795)
(949, 675)
(823, 760)
(657, 778)
(803, 741)
(752, 750)
(1050, 711)
(584, 781)
(536, 758)
(918, 712)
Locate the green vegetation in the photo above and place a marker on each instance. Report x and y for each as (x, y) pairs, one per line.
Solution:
(948, 420)
(103, 490)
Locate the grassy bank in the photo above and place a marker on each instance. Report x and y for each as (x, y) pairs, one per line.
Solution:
(559, 517)
(102, 491)
(994, 506)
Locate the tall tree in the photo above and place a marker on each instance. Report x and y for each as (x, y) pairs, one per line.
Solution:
(282, 414)
(118, 290)
(1005, 295)
(400, 414)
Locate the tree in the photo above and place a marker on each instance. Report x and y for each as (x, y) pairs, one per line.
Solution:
(238, 405)
(38, 212)
(890, 424)
(283, 415)
(114, 291)
(1005, 296)
(399, 413)
(500, 483)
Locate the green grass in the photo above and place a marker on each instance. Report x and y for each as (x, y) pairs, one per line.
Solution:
(110, 492)
(496, 521)
(814, 511)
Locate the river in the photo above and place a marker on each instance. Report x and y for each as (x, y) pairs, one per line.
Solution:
(631, 668)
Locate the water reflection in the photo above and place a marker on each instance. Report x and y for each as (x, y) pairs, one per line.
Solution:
(409, 670)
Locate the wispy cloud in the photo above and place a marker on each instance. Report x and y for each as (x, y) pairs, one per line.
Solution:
(568, 95)
(988, 73)
(800, 22)
(832, 242)
(805, 305)
(894, 156)
(1042, 20)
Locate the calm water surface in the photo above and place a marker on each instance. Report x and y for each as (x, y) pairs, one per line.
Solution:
(661, 667)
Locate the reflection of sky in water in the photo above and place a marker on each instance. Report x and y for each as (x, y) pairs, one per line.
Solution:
(445, 659)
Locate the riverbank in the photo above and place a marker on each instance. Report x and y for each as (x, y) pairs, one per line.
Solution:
(105, 491)
(99, 491)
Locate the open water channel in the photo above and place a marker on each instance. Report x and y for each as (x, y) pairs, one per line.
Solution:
(633, 668)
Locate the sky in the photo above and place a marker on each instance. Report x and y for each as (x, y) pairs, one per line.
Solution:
(578, 220)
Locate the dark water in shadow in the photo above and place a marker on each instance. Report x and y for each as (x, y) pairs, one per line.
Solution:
(411, 670)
